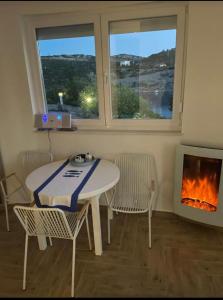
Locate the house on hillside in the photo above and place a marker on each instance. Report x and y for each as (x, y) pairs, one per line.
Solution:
(125, 63)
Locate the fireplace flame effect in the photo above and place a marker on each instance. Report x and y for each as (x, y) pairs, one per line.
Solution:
(200, 193)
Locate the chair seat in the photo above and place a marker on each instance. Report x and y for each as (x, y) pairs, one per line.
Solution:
(130, 203)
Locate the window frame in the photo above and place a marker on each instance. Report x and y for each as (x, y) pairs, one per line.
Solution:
(173, 124)
(34, 68)
(101, 33)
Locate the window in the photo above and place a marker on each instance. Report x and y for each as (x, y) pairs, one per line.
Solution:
(68, 68)
(121, 70)
(142, 60)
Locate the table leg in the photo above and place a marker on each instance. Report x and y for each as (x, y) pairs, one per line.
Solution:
(41, 240)
(96, 224)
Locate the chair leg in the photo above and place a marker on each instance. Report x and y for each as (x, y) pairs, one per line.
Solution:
(109, 229)
(88, 233)
(25, 262)
(6, 213)
(50, 239)
(73, 268)
(149, 221)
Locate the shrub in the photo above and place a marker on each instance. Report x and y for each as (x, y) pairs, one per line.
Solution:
(127, 104)
(89, 103)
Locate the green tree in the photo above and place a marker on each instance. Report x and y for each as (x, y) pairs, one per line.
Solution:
(126, 104)
(89, 103)
(145, 111)
(73, 89)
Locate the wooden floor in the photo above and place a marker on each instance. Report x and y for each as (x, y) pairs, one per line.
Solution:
(186, 260)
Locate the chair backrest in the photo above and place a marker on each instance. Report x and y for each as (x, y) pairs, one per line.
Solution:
(50, 222)
(31, 160)
(135, 173)
(136, 179)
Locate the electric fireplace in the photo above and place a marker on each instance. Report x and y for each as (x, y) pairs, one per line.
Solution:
(198, 186)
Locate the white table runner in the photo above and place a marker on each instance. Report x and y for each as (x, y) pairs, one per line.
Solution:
(68, 180)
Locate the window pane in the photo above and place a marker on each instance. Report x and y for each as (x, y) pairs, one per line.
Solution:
(67, 55)
(142, 58)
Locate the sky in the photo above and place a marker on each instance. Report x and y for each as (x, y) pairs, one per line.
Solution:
(139, 43)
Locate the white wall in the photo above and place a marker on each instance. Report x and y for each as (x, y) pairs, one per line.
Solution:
(203, 96)
(202, 120)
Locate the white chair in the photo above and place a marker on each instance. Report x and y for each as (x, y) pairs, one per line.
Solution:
(12, 187)
(53, 223)
(12, 191)
(33, 159)
(137, 188)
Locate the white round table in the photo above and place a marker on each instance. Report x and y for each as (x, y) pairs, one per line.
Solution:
(105, 176)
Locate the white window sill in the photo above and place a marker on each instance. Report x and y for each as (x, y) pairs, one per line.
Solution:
(113, 131)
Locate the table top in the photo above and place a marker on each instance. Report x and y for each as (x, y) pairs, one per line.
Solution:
(104, 177)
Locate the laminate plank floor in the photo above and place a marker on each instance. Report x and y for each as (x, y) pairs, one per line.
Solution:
(186, 260)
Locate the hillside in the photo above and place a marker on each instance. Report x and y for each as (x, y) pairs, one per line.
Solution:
(164, 57)
(73, 74)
